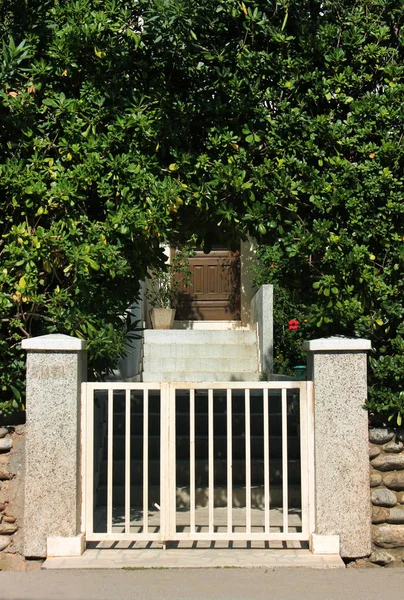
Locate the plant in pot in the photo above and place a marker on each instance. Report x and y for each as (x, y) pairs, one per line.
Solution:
(164, 287)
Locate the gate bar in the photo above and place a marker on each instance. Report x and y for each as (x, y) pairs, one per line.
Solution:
(285, 502)
(247, 461)
(192, 458)
(211, 460)
(127, 460)
(266, 461)
(145, 461)
(229, 463)
(110, 459)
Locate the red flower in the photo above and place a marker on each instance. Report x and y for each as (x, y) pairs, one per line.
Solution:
(293, 325)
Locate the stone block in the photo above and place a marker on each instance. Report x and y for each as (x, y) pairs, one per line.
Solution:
(7, 528)
(5, 444)
(4, 542)
(396, 515)
(388, 536)
(388, 462)
(55, 368)
(375, 479)
(373, 451)
(381, 558)
(394, 447)
(338, 368)
(9, 519)
(383, 497)
(379, 514)
(65, 546)
(324, 544)
(379, 435)
(394, 481)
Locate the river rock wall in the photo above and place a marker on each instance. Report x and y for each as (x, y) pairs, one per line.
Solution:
(386, 452)
(12, 466)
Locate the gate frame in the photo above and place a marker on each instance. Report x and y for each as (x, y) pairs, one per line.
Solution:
(167, 530)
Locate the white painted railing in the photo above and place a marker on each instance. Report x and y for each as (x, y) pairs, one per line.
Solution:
(151, 426)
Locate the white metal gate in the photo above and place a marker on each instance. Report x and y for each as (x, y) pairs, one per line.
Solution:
(197, 461)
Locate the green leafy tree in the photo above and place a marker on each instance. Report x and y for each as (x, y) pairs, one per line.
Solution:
(126, 123)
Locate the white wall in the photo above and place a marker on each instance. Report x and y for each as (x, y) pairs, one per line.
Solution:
(247, 259)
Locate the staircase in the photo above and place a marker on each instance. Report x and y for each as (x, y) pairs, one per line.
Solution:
(197, 355)
(201, 451)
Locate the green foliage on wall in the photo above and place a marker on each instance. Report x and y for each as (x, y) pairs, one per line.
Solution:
(125, 123)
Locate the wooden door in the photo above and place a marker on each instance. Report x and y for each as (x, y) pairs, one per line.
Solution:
(214, 293)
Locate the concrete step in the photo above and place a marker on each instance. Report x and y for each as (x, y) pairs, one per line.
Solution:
(198, 351)
(201, 447)
(199, 376)
(219, 401)
(202, 496)
(248, 363)
(201, 424)
(201, 472)
(178, 336)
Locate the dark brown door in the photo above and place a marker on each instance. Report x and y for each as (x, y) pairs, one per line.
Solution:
(214, 293)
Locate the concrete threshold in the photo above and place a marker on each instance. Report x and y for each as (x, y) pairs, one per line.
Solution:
(204, 558)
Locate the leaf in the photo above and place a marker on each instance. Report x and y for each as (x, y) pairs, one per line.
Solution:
(22, 283)
(49, 102)
(97, 52)
(285, 20)
(16, 392)
(262, 229)
(244, 8)
(172, 167)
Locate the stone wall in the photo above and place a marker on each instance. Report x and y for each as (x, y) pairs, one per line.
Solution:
(12, 458)
(386, 451)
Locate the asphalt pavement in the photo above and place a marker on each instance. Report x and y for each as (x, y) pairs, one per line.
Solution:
(198, 584)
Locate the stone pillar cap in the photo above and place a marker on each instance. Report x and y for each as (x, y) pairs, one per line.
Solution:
(337, 344)
(54, 341)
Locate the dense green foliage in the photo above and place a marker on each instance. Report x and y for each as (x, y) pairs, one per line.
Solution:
(123, 123)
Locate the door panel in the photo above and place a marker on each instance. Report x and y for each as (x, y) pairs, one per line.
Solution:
(214, 293)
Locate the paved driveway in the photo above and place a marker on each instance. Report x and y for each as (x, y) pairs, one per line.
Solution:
(200, 584)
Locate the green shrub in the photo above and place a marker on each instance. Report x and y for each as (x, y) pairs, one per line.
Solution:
(126, 123)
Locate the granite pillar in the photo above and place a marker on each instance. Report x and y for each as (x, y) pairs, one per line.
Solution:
(56, 366)
(338, 368)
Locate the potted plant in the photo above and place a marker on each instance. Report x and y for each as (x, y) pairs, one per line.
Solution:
(165, 285)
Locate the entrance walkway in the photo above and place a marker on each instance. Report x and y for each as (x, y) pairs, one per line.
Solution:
(199, 558)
